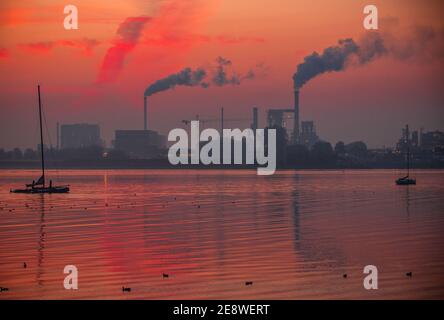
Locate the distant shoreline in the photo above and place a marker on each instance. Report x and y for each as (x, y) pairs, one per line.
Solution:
(159, 164)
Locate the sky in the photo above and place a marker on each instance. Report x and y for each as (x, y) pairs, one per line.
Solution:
(99, 72)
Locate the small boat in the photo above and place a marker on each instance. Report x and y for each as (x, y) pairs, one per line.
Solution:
(43, 189)
(40, 186)
(406, 180)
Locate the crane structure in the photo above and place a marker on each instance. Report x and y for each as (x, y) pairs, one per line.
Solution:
(222, 120)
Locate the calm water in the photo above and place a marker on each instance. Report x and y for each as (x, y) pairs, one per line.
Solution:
(293, 234)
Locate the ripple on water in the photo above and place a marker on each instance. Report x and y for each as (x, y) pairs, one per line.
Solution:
(293, 234)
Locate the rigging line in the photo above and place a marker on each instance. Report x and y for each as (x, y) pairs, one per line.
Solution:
(47, 130)
(50, 154)
(36, 130)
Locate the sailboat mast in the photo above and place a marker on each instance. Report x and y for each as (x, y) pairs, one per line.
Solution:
(41, 137)
(408, 161)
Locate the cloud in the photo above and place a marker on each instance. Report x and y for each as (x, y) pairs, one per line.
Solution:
(4, 53)
(37, 47)
(50, 14)
(171, 30)
(127, 37)
(189, 39)
(238, 40)
(85, 44)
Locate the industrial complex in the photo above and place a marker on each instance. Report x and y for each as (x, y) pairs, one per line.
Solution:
(149, 144)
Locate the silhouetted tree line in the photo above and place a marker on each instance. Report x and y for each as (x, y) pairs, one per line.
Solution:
(18, 154)
(88, 153)
(320, 155)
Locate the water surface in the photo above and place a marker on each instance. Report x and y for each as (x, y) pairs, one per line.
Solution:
(294, 234)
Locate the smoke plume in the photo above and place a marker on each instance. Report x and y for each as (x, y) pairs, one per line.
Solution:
(423, 43)
(186, 77)
(218, 75)
(127, 37)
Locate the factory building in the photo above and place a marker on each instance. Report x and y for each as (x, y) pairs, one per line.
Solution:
(308, 136)
(255, 123)
(139, 144)
(281, 118)
(408, 140)
(83, 135)
(432, 141)
(298, 132)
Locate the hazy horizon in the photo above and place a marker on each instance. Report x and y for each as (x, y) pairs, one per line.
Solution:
(98, 73)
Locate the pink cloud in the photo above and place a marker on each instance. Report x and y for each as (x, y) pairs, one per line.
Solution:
(239, 40)
(4, 53)
(185, 40)
(173, 23)
(127, 37)
(85, 44)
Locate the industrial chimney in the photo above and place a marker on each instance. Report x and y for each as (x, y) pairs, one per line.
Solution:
(221, 121)
(58, 136)
(296, 115)
(254, 125)
(145, 124)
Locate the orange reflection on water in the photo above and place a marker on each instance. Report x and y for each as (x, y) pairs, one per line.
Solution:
(293, 234)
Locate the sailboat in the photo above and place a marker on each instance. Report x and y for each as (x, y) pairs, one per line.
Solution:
(40, 186)
(406, 180)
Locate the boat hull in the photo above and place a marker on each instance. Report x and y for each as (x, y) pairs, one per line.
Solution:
(404, 182)
(60, 189)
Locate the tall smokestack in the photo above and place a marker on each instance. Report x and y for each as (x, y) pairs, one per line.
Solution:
(221, 121)
(145, 120)
(254, 125)
(58, 136)
(296, 115)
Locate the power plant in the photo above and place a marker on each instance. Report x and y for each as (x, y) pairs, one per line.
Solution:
(148, 143)
(78, 135)
(141, 144)
(145, 115)
(296, 115)
(255, 124)
(284, 117)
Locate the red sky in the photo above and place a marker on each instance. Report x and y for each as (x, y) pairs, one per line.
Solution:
(97, 74)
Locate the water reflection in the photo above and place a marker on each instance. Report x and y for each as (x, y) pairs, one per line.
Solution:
(41, 241)
(296, 214)
(214, 230)
(407, 201)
